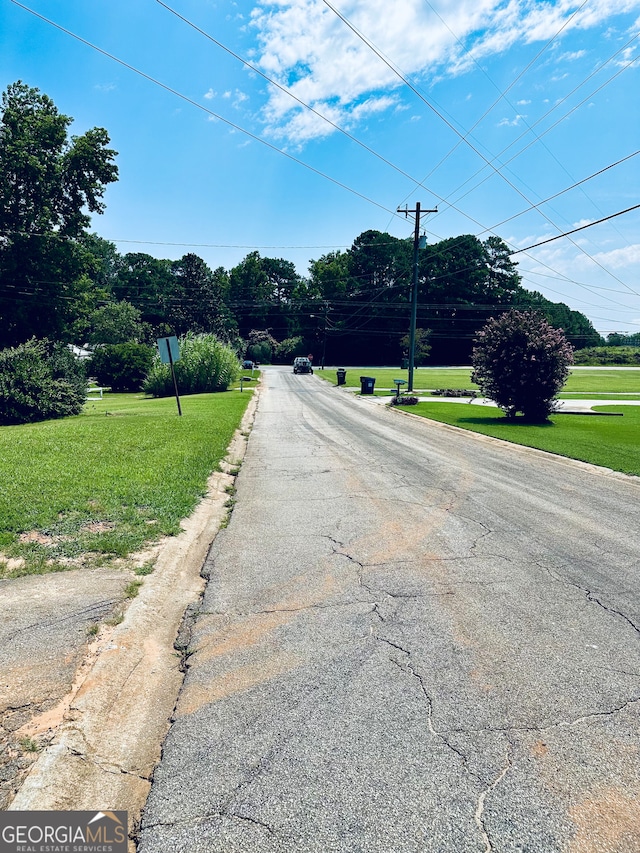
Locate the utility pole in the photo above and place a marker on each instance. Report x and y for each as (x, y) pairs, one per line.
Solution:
(418, 243)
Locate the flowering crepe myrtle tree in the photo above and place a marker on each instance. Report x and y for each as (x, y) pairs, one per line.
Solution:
(521, 362)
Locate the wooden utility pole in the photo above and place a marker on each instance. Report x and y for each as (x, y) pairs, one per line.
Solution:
(414, 292)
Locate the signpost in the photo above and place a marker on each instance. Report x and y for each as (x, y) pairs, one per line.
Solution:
(170, 353)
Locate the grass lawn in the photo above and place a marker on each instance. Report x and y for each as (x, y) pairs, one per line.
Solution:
(585, 382)
(122, 473)
(424, 378)
(611, 442)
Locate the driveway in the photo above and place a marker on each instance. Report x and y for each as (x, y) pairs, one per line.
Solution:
(412, 639)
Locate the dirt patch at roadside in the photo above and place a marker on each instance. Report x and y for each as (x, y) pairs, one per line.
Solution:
(84, 704)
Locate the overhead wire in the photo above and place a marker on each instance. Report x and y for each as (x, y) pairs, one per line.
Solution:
(548, 113)
(502, 94)
(199, 106)
(580, 228)
(232, 124)
(462, 137)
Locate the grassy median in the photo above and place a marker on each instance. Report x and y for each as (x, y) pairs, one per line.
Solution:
(87, 489)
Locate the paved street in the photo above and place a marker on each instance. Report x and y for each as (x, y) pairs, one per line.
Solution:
(412, 639)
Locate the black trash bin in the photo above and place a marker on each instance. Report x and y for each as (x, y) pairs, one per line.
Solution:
(341, 373)
(366, 384)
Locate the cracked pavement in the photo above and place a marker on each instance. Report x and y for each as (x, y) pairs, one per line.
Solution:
(412, 639)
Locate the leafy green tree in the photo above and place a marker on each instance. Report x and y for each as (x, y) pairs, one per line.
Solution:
(521, 362)
(290, 347)
(249, 293)
(503, 280)
(261, 346)
(148, 284)
(578, 328)
(422, 344)
(49, 186)
(115, 323)
(199, 299)
(106, 263)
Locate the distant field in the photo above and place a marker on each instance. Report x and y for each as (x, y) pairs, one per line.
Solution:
(611, 442)
(585, 382)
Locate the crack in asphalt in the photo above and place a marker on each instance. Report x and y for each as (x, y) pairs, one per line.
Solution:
(226, 808)
(545, 727)
(408, 667)
(251, 820)
(590, 596)
(479, 814)
(487, 531)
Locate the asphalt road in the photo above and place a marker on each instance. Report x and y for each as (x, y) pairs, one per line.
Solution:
(412, 639)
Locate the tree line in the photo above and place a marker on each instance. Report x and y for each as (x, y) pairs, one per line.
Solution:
(59, 281)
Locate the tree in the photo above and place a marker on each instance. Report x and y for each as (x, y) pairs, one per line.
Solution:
(577, 328)
(422, 346)
(115, 323)
(521, 362)
(199, 298)
(503, 280)
(148, 284)
(49, 186)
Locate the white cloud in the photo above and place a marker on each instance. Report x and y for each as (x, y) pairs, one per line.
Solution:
(511, 122)
(210, 95)
(619, 258)
(571, 57)
(307, 48)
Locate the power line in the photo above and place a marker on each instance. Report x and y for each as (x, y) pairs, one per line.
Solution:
(463, 138)
(193, 103)
(548, 113)
(581, 228)
(566, 190)
(288, 92)
(510, 86)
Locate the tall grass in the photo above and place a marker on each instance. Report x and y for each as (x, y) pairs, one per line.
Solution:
(205, 365)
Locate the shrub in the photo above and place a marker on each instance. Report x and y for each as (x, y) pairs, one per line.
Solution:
(40, 380)
(122, 367)
(205, 365)
(453, 392)
(404, 401)
(521, 362)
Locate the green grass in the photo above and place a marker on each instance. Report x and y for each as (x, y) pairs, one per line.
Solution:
(585, 382)
(424, 378)
(123, 473)
(611, 442)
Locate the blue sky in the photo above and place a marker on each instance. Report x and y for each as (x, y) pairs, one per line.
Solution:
(493, 106)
